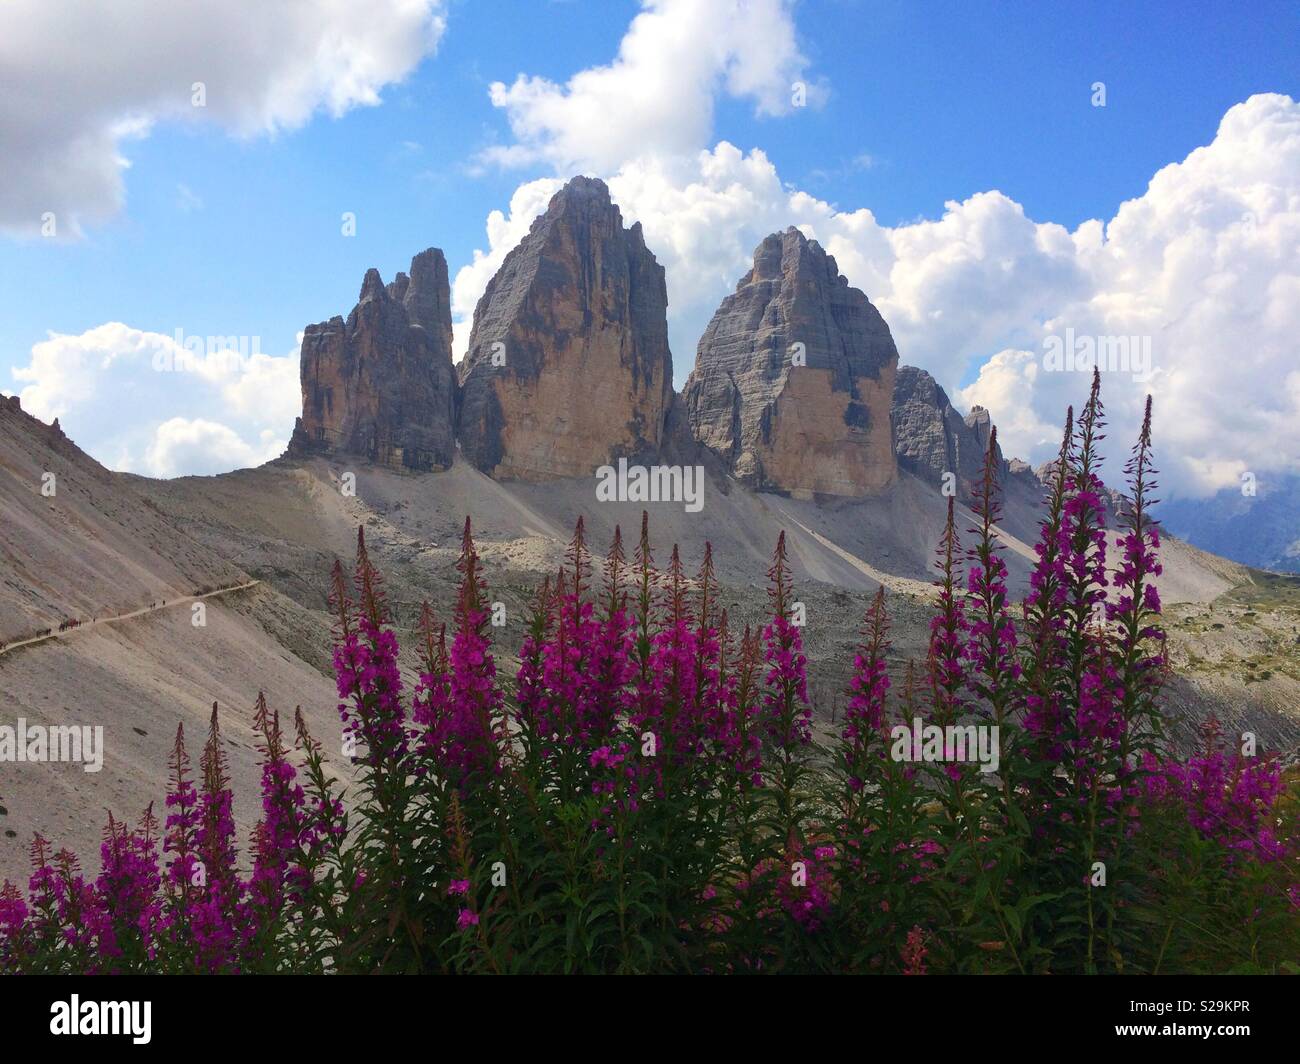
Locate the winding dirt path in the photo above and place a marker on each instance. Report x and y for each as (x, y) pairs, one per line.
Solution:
(126, 616)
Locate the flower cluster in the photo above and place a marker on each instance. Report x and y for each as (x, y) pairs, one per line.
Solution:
(1226, 796)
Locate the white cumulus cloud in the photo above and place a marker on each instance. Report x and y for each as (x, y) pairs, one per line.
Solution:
(1204, 267)
(182, 446)
(657, 96)
(150, 403)
(79, 78)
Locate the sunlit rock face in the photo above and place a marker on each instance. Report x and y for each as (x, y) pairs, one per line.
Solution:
(794, 377)
(568, 365)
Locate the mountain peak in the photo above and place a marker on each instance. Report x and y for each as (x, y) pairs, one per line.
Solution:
(381, 384)
(577, 309)
(372, 287)
(794, 376)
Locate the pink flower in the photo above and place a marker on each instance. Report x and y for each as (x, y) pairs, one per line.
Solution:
(914, 953)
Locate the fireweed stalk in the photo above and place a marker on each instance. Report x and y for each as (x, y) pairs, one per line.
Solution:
(870, 793)
(569, 719)
(322, 911)
(787, 713)
(215, 919)
(994, 682)
(975, 674)
(1137, 652)
(1045, 618)
(647, 794)
(864, 715)
(376, 738)
(182, 880)
(1093, 764)
(276, 843)
(994, 672)
(948, 630)
(947, 654)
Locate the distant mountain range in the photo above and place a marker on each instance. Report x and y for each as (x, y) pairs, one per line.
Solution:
(1262, 530)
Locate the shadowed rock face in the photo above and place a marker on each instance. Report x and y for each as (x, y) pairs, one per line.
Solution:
(568, 365)
(932, 438)
(382, 384)
(820, 427)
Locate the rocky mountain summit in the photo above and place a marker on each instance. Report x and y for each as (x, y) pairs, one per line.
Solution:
(568, 365)
(796, 387)
(794, 377)
(381, 384)
(931, 438)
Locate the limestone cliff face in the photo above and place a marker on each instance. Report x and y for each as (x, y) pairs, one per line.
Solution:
(381, 384)
(932, 438)
(568, 365)
(794, 377)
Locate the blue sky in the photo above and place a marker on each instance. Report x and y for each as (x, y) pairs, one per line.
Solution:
(221, 227)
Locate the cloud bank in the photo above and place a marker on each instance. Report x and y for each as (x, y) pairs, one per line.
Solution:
(192, 407)
(79, 79)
